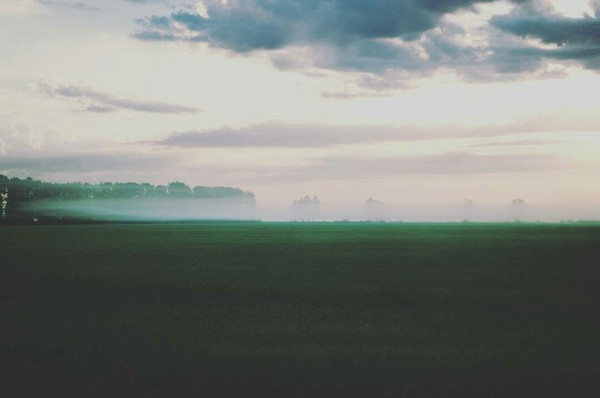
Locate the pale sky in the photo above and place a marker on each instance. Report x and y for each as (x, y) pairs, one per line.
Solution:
(417, 102)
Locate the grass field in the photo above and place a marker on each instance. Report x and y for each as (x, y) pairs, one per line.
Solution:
(292, 309)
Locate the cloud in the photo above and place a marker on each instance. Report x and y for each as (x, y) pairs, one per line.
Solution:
(266, 24)
(282, 135)
(101, 102)
(340, 168)
(99, 109)
(385, 36)
(452, 163)
(340, 34)
(288, 135)
(520, 143)
(83, 163)
(552, 29)
(145, 1)
(21, 136)
(566, 38)
(18, 138)
(74, 5)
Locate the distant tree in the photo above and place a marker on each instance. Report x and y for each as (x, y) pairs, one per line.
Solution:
(468, 209)
(161, 190)
(306, 209)
(374, 209)
(179, 189)
(222, 193)
(126, 190)
(517, 206)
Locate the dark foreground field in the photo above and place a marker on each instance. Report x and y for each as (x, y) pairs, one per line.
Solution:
(278, 310)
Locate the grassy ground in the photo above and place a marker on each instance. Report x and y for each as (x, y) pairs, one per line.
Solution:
(251, 309)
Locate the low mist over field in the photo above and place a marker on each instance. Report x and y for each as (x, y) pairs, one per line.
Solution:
(159, 210)
(437, 212)
(28, 199)
(24, 200)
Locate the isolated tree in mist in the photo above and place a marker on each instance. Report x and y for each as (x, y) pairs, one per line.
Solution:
(517, 207)
(468, 209)
(374, 209)
(306, 209)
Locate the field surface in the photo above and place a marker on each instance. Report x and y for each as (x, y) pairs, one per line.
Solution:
(293, 309)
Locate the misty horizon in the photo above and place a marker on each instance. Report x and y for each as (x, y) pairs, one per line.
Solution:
(177, 201)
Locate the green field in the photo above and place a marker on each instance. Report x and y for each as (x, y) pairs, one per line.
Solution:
(293, 309)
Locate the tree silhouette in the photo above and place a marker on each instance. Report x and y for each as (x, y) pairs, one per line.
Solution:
(179, 189)
(374, 209)
(468, 209)
(517, 207)
(306, 209)
(17, 195)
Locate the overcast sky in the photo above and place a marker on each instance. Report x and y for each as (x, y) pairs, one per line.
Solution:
(408, 102)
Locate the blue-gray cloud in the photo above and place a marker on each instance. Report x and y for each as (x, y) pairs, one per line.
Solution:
(553, 29)
(575, 39)
(266, 24)
(101, 102)
(355, 35)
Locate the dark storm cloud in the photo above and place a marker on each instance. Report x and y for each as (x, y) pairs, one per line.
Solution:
(380, 37)
(101, 102)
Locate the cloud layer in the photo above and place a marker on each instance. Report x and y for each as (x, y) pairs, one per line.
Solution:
(102, 102)
(384, 36)
(275, 135)
(443, 164)
(284, 135)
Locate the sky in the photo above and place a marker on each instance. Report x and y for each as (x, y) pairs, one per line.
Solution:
(419, 104)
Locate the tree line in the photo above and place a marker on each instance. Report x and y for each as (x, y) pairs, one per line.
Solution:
(16, 193)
